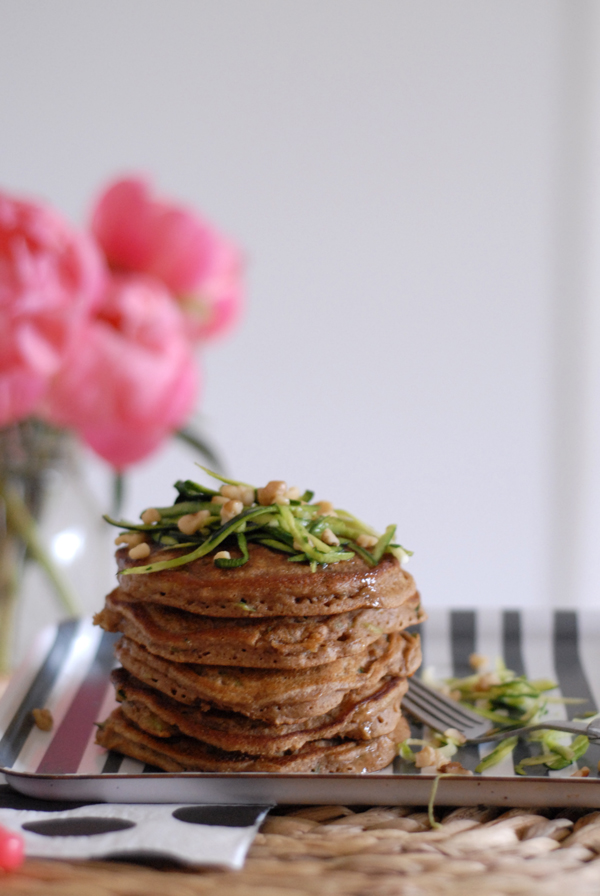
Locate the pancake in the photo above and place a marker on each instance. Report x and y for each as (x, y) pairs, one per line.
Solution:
(185, 754)
(284, 649)
(278, 696)
(268, 585)
(276, 642)
(162, 716)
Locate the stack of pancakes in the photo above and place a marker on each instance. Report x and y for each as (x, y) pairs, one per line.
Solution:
(265, 668)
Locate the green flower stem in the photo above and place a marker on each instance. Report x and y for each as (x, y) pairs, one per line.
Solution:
(9, 587)
(20, 521)
(201, 445)
(118, 492)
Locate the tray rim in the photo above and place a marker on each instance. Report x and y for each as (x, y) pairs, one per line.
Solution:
(305, 788)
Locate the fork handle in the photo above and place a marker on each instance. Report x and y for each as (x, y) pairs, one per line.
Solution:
(589, 729)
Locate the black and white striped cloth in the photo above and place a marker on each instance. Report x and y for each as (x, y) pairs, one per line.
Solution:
(560, 645)
(68, 673)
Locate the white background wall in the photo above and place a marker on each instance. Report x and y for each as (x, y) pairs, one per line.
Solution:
(408, 182)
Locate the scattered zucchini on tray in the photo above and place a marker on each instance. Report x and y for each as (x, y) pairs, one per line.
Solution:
(509, 701)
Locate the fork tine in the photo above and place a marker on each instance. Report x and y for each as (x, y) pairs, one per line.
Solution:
(434, 711)
(440, 712)
(421, 714)
(436, 697)
(442, 706)
(435, 716)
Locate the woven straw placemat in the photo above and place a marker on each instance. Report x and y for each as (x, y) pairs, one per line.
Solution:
(339, 851)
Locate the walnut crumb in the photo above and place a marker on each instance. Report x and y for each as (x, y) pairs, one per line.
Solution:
(43, 719)
(455, 768)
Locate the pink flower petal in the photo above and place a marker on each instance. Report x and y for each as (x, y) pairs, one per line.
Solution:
(122, 224)
(143, 235)
(36, 352)
(51, 278)
(20, 393)
(132, 380)
(183, 249)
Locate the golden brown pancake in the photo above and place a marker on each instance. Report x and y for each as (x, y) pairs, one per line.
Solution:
(268, 585)
(275, 695)
(275, 642)
(185, 754)
(265, 667)
(161, 716)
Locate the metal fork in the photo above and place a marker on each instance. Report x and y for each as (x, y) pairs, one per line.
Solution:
(440, 713)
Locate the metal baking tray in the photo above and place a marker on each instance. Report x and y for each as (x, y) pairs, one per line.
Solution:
(67, 671)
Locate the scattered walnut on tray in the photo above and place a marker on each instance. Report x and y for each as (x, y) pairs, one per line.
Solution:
(43, 719)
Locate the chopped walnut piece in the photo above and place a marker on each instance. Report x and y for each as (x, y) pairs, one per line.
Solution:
(222, 555)
(478, 661)
(274, 492)
(140, 551)
(455, 735)
(43, 719)
(329, 537)
(230, 510)
(326, 508)
(242, 493)
(488, 680)
(454, 768)
(429, 756)
(189, 523)
(131, 539)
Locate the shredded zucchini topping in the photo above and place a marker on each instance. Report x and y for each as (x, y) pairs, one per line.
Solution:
(508, 701)
(278, 518)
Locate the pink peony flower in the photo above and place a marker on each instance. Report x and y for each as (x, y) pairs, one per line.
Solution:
(130, 381)
(201, 268)
(50, 278)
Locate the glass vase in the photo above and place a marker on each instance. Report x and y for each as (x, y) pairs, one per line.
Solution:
(54, 545)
